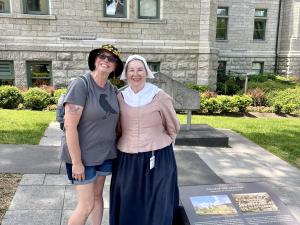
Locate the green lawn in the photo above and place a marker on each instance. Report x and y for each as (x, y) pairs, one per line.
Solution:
(23, 126)
(281, 136)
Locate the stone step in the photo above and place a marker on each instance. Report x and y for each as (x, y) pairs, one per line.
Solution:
(201, 135)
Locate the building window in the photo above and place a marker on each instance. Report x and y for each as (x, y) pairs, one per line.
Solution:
(222, 23)
(148, 9)
(4, 6)
(221, 69)
(39, 7)
(6, 73)
(260, 23)
(39, 73)
(154, 66)
(115, 8)
(257, 67)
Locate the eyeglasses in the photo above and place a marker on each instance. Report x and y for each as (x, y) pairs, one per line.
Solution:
(111, 59)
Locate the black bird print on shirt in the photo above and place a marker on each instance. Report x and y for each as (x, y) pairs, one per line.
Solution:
(106, 106)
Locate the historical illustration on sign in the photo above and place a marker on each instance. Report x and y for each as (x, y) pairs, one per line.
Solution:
(255, 202)
(213, 205)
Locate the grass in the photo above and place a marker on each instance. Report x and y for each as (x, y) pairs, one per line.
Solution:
(19, 127)
(22, 126)
(279, 136)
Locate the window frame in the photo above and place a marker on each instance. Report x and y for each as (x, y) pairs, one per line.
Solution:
(154, 64)
(260, 19)
(226, 19)
(124, 15)
(223, 69)
(9, 77)
(157, 16)
(261, 71)
(27, 11)
(6, 6)
(29, 74)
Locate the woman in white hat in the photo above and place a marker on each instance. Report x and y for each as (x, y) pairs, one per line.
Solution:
(88, 143)
(144, 187)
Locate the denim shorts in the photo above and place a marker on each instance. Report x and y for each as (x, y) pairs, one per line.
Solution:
(91, 172)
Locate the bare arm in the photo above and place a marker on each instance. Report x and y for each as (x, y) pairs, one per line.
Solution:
(72, 117)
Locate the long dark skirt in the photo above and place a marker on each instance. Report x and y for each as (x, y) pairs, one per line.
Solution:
(140, 196)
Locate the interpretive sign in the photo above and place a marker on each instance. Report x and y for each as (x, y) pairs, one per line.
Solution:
(234, 204)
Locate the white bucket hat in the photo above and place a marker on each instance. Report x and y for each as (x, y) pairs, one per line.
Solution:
(138, 57)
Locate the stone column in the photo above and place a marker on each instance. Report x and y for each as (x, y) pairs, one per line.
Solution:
(20, 73)
(208, 54)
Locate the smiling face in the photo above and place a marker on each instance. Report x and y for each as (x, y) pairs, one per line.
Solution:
(105, 62)
(136, 75)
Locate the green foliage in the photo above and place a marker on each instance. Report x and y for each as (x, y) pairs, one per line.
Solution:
(40, 74)
(271, 85)
(258, 96)
(285, 101)
(241, 102)
(230, 84)
(223, 104)
(259, 78)
(57, 94)
(36, 99)
(200, 88)
(10, 97)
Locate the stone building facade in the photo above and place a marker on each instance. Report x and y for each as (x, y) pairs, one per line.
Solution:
(56, 36)
(277, 52)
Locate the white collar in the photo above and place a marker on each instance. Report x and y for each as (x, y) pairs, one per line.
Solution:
(141, 98)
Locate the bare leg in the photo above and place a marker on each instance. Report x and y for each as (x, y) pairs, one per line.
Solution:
(85, 204)
(97, 213)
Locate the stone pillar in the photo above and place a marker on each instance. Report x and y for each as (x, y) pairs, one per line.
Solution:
(20, 73)
(208, 54)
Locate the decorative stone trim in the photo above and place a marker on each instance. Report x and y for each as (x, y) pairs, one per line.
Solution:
(126, 20)
(67, 37)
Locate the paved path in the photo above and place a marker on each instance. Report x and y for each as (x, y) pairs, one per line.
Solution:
(45, 197)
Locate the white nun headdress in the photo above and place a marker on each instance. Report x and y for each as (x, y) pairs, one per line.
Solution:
(133, 57)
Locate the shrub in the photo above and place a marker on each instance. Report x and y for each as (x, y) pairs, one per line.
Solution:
(241, 102)
(286, 101)
(200, 88)
(262, 77)
(257, 95)
(36, 99)
(10, 97)
(209, 94)
(223, 104)
(57, 94)
(51, 107)
(271, 85)
(21, 106)
(229, 87)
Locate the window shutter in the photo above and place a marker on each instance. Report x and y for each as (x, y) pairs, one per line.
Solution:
(6, 70)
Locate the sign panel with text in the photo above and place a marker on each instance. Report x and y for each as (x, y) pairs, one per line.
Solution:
(234, 204)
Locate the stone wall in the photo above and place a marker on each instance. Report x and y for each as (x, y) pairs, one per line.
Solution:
(240, 50)
(290, 38)
(73, 28)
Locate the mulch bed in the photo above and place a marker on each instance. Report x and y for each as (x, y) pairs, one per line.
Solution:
(8, 187)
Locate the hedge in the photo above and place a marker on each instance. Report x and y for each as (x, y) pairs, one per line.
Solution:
(10, 97)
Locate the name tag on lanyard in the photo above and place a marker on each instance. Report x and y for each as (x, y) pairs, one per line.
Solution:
(152, 161)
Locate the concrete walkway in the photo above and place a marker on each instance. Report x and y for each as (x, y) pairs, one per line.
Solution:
(45, 197)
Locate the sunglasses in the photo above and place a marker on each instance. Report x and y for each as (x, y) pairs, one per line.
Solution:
(108, 57)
